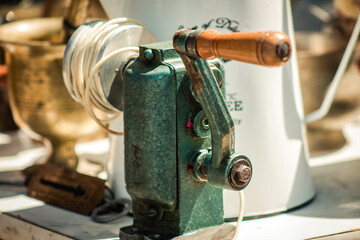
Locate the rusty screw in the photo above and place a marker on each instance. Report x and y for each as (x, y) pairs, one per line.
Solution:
(240, 173)
(152, 212)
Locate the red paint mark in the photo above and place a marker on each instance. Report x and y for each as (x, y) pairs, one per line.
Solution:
(190, 167)
(189, 124)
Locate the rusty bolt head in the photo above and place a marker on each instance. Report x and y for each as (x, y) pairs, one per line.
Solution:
(243, 173)
(240, 173)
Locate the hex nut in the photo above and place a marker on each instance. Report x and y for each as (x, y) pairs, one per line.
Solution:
(240, 173)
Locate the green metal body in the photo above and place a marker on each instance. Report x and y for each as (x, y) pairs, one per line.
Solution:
(164, 132)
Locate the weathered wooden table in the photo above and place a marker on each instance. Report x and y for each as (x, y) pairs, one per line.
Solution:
(333, 214)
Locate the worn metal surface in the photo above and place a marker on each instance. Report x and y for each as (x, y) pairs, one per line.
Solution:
(150, 131)
(221, 162)
(213, 103)
(160, 144)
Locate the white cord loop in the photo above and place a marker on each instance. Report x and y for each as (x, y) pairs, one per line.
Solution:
(241, 215)
(81, 65)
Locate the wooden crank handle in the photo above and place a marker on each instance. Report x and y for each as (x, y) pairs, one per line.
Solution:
(269, 48)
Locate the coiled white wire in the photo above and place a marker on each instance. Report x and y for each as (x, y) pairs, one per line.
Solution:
(81, 66)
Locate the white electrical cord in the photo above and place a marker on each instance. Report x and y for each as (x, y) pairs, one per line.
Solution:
(241, 215)
(81, 66)
(326, 104)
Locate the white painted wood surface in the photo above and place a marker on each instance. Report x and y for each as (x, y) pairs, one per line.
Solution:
(60, 222)
(13, 228)
(333, 214)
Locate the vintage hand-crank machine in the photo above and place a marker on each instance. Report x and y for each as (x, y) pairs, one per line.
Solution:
(179, 135)
(265, 103)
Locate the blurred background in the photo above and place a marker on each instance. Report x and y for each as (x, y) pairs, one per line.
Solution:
(322, 31)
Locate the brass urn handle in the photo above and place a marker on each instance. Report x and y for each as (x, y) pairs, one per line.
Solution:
(266, 48)
(75, 16)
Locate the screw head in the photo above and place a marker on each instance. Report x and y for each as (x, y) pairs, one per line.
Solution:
(205, 123)
(148, 54)
(243, 173)
(201, 126)
(152, 212)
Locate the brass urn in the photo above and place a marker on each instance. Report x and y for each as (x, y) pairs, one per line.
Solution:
(39, 100)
